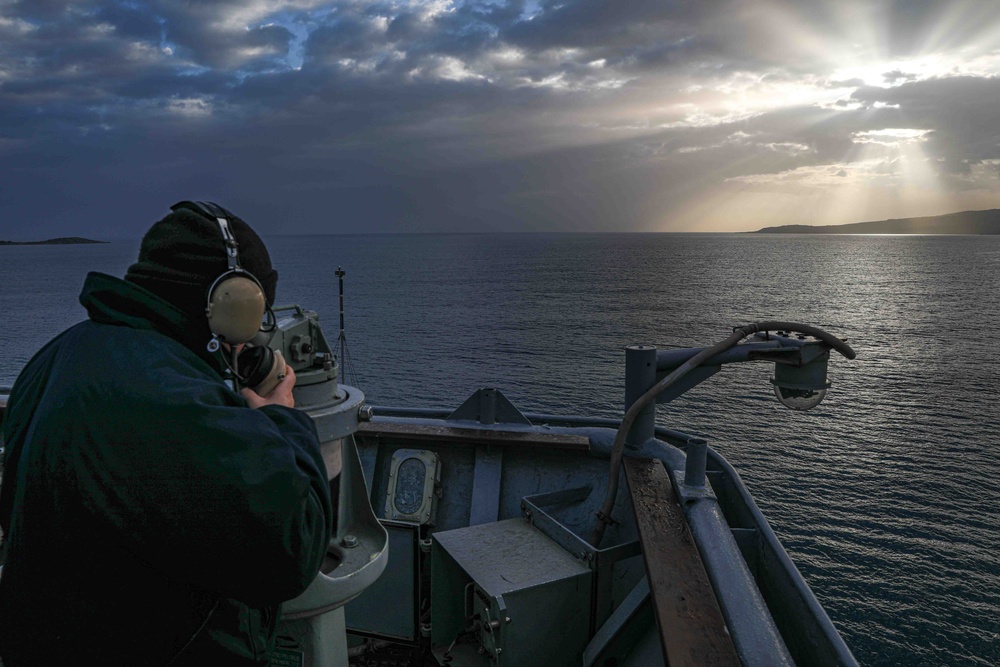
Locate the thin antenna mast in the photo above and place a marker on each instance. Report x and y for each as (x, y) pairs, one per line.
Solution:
(340, 273)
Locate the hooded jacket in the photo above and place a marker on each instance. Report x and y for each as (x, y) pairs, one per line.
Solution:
(151, 516)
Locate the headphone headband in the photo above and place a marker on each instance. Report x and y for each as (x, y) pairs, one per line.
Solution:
(222, 217)
(232, 247)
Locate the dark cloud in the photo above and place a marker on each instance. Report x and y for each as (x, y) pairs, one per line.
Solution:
(426, 115)
(131, 20)
(591, 23)
(349, 37)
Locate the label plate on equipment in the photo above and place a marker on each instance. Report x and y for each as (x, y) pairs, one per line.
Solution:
(282, 657)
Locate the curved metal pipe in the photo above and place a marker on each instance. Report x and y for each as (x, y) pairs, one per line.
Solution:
(604, 514)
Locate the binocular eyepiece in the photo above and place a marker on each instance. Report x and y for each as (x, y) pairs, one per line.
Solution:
(262, 368)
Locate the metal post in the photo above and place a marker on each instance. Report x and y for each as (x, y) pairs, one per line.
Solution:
(340, 273)
(640, 375)
(694, 468)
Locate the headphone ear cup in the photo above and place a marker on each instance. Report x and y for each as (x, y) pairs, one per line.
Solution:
(235, 309)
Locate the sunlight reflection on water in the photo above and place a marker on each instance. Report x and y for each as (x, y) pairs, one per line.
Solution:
(885, 495)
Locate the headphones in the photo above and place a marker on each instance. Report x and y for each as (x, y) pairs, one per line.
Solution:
(235, 304)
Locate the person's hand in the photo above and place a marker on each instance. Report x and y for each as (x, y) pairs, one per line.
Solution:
(280, 395)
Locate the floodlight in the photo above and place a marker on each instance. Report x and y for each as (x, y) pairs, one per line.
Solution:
(801, 387)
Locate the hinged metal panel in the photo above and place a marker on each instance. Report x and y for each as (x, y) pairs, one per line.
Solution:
(532, 598)
(369, 614)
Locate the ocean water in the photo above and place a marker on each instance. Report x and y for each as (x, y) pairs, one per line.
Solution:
(886, 495)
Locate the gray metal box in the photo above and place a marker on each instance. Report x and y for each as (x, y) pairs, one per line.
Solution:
(532, 597)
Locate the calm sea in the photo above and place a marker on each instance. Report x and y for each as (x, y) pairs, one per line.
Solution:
(886, 495)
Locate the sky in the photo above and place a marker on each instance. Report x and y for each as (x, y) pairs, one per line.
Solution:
(305, 116)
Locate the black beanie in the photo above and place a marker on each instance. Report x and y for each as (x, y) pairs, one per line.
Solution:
(182, 255)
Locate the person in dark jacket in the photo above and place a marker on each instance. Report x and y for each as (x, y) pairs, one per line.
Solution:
(152, 514)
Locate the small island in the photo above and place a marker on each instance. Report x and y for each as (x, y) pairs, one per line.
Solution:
(62, 240)
(965, 222)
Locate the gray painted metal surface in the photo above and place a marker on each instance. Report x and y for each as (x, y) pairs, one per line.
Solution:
(531, 597)
(613, 640)
(601, 561)
(489, 406)
(323, 636)
(572, 516)
(809, 632)
(757, 639)
(358, 550)
(741, 551)
(486, 485)
(640, 375)
(690, 622)
(369, 614)
(697, 459)
(337, 418)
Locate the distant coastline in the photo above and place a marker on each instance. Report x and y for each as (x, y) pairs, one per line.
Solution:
(965, 222)
(62, 240)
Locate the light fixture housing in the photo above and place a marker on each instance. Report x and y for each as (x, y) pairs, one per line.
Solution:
(801, 387)
(414, 476)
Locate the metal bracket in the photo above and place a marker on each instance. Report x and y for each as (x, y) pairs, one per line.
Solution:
(688, 493)
(600, 561)
(489, 406)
